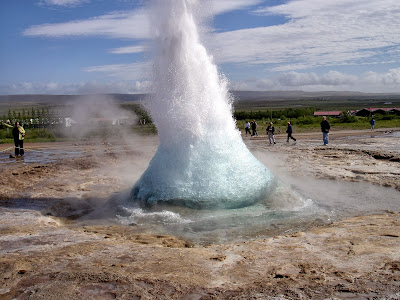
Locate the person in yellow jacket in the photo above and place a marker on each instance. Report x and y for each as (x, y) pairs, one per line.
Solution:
(18, 133)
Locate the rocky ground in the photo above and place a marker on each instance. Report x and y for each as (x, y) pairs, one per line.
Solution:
(46, 254)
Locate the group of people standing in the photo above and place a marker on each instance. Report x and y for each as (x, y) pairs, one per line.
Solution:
(18, 133)
(253, 126)
(325, 127)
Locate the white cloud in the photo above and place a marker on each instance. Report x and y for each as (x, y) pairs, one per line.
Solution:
(121, 87)
(223, 6)
(264, 84)
(64, 2)
(92, 87)
(309, 81)
(130, 49)
(133, 71)
(368, 82)
(52, 86)
(317, 33)
(328, 33)
(298, 79)
(332, 78)
(132, 25)
(390, 78)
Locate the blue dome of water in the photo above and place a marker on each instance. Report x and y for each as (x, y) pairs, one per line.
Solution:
(201, 161)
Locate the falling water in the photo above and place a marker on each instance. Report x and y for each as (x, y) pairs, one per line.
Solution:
(201, 161)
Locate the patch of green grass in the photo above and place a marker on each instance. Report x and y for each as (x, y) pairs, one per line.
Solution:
(147, 129)
(36, 135)
(6, 141)
(32, 136)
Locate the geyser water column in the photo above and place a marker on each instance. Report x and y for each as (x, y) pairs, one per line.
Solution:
(201, 160)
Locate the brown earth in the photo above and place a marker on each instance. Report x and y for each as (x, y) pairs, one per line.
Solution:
(45, 254)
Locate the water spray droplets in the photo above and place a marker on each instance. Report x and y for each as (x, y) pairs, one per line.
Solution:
(201, 161)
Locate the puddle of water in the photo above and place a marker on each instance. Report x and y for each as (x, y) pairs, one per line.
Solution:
(39, 156)
(331, 201)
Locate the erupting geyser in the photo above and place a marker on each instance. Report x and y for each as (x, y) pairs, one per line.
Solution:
(201, 161)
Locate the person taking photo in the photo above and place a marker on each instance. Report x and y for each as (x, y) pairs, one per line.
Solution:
(18, 133)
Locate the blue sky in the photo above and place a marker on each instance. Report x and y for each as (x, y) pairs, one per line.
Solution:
(96, 46)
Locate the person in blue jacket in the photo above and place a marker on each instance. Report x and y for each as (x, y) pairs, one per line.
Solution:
(372, 122)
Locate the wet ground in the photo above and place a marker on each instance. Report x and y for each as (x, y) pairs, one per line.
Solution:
(47, 251)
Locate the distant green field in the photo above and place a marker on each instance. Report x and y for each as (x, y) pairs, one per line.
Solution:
(317, 103)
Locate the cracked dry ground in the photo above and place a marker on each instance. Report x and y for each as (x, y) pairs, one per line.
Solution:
(45, 255)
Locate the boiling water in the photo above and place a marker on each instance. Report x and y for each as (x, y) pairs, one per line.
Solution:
(201, 161)
(284, 211)
(203, 183)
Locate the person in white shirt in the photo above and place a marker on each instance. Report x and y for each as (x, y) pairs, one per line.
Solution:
(247, 127)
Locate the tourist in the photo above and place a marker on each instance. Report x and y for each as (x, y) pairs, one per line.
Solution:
(271, 133)
(254, 128)
(325, 126)
(247, 127)
(372, 123)
(289, 132)
(18, 135)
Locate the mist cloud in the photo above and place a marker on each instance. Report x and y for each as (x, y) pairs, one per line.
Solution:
(92, 112)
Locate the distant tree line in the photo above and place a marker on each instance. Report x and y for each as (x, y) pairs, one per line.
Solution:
(288, 113)
(35, 117)
(139, 110)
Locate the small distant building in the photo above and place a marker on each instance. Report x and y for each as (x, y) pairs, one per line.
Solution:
(370, 111)
(396, 111)
(380, 110)
(100, 121)
(335, 113)
(68, 122)
(121, 121)
(363, 112)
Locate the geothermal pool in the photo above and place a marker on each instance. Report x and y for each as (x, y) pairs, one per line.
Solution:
(303, 203)
(296, 203)
(203, 183)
